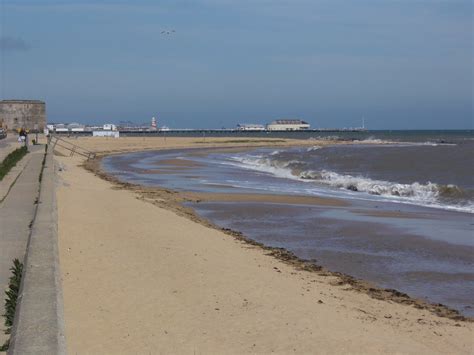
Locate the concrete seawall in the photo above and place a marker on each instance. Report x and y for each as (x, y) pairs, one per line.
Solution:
(39, 320)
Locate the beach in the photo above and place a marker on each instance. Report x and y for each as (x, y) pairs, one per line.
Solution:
(142, 273)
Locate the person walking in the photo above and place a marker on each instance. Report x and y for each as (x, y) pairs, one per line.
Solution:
(23, 137)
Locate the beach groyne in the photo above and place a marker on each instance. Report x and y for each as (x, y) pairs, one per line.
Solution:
(39, 322)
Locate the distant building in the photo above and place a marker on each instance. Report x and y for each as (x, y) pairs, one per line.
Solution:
(109, 127)
(28, 114)
(60, 127)
(76, 127)
(250, 127)
(106, 133)
(288, 125)
(153, 124)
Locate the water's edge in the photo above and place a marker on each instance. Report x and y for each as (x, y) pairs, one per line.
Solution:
(174, 200)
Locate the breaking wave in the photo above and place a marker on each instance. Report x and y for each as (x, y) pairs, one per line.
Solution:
(312, 149)
(426, 194)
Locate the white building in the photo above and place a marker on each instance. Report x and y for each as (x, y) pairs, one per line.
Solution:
(250, 127)
(287, 125)
(109, 127)
(76, 127)
(61, 128)
(106, 133)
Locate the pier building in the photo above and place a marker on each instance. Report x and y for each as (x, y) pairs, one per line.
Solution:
(288, 125)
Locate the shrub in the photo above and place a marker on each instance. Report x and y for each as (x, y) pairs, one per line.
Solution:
(10, 161)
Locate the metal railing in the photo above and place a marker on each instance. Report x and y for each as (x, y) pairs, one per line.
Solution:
(55, 141)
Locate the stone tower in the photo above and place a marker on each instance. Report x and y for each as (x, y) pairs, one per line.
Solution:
(29, 114)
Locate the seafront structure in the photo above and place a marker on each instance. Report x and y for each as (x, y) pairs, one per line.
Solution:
(287, 125)
(28, 114)
(129, 128)
(250, 127)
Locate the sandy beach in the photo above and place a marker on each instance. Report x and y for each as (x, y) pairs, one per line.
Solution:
(142, 275)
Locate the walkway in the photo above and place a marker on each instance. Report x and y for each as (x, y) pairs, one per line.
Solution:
(16, 213)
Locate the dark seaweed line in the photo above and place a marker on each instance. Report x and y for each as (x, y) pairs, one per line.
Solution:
(172, 200)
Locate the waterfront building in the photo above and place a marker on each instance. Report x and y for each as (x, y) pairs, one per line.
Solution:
(109, 127)
(250, 127)
(61, 127)
(76, 127)
(288, 125)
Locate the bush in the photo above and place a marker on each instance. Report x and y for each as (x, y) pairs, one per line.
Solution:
(11, 160)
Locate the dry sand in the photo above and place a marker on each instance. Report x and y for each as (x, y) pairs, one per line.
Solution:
(129, 144)
(139, 278)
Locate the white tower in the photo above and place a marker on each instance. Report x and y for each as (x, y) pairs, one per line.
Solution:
(153, 123)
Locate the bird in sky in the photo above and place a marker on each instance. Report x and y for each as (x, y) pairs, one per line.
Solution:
(167, 32)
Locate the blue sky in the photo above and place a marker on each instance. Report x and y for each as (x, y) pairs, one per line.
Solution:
(403, 64)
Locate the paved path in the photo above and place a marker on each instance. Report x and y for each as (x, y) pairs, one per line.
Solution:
(16, 213)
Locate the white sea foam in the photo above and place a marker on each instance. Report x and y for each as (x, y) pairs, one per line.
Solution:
(374, 140)
(434, 144)
(428, 194)
(424, 192)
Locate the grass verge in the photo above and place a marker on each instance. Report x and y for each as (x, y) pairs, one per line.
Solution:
(10, 161)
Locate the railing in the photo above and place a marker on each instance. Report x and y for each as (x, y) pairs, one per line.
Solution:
(71, 147)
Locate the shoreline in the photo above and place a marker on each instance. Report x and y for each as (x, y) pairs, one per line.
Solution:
(175, 200)
(140, 275)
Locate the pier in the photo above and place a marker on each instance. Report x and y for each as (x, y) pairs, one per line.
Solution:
(212, 132)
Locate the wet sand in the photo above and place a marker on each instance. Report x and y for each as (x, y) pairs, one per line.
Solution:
(265, 198)
(371, 249)
(386, 233)
(142, 273)
(179, 163)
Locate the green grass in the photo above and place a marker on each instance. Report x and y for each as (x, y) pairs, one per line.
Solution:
(11, 300)
(10, 161)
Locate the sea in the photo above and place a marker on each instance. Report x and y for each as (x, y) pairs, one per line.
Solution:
(407, 221)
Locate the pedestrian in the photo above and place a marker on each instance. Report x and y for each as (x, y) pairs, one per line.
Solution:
(23, 137)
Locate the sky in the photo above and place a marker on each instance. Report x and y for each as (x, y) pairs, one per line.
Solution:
(400, 64)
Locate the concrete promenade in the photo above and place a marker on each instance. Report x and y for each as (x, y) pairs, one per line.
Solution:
(16, 213)
(39, 321)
